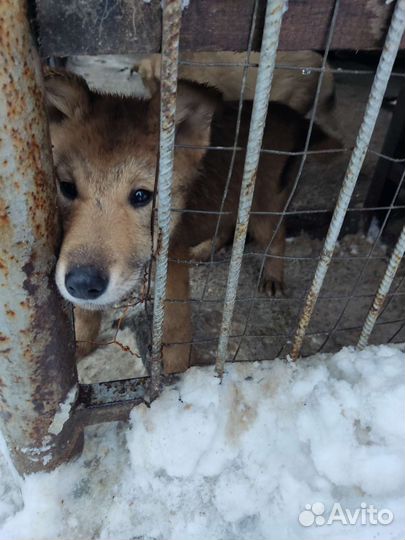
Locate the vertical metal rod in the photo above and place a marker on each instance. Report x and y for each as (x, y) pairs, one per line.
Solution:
(168, 88)
(303, 160)
(271, 32)
(365, 264)
(38, 379)
(383, 290)
(356, 161)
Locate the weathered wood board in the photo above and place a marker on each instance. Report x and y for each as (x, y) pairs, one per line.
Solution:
(134, 26)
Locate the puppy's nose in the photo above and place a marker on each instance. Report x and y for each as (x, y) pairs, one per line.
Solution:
(86, 282)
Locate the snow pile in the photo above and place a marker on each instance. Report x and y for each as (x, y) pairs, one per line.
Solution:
(241, 459)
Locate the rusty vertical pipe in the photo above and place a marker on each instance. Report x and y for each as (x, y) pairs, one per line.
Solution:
(38, 379)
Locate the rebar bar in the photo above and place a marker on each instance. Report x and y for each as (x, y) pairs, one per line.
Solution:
(377, 92)
(383, 290)
(271, 33)
(170, 53)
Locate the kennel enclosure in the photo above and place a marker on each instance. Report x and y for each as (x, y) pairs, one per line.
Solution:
(43, 405)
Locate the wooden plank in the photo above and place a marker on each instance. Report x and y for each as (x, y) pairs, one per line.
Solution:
(134, 26)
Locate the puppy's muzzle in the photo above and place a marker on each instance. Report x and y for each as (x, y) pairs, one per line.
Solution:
(86, 282)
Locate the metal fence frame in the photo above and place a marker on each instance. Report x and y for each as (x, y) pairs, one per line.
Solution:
(46, 428)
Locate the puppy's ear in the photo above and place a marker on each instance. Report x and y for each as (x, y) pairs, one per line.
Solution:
(196, 105)
(195, 108)
(67, 95)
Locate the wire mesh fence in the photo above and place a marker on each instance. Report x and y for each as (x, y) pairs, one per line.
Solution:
(314, 314)
(247, 305)
(341, 255)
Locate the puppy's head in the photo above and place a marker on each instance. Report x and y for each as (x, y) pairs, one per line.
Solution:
(105, 156)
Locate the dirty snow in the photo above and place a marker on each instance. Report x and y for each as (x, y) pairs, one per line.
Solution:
(241, 459)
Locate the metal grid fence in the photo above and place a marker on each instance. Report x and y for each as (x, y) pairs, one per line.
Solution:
(112, 400)
(266, 66)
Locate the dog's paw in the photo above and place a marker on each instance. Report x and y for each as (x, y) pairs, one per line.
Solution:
(272, 287)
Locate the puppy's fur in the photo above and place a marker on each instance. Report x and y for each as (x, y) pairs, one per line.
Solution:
(293, 87)
(107, 146)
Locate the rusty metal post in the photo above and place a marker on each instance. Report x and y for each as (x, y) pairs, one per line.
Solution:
(38, 379)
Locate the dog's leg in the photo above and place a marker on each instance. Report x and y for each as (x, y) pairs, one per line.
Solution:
(87, 327)
(271, 196)
(262, 229)
(202, 252)
(177, 325)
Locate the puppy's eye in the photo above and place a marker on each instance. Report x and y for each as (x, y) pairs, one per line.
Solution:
(68, 190)
(140, 197)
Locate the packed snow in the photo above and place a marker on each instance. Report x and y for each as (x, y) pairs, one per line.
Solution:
(278, 450)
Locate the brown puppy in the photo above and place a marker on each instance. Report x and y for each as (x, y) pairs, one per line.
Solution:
(105, 155)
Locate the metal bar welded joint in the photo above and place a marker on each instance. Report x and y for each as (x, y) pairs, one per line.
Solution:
(271, 33)
(377, 92)
(38, 378)
(383, 290)
(168, 89)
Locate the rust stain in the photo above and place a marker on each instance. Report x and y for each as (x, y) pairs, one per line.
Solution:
(159, 242)
(4, 269)
(4, 220)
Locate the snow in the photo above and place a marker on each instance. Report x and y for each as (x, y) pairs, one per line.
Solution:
(243, 459)
(62, 415)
